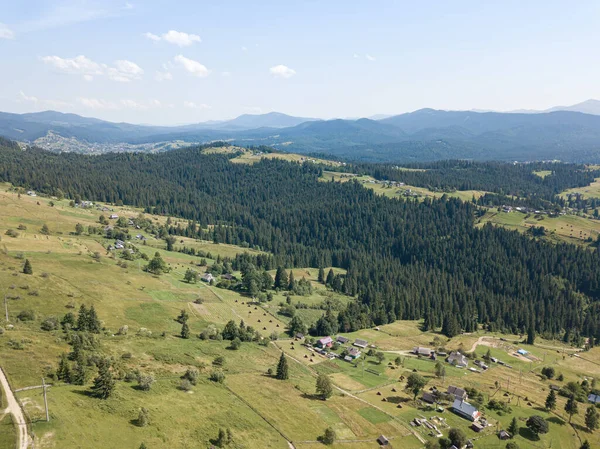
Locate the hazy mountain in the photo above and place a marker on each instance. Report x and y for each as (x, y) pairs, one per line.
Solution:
(269, 120)
(587, 107)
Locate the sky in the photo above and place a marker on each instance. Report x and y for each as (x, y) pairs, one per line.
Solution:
(179, 61)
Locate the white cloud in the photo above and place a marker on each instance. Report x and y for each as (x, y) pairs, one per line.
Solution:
(95, 103)
(192, 105)
(27, 98)
(163, 76)
(131, 104)
(369, 57)
(5, 32)
(123, 71)
(128, 6)
(194, 67)
(226, 74)
(175, 37)
(152, 37)
(282, 71)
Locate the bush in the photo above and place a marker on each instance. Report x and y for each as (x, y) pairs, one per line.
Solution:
(217, 376)
(549, 372)
(50, 324)
(26, 315)
(145, 381)
(143, 417)
(219, 361)
(185, 385)
(191, 375)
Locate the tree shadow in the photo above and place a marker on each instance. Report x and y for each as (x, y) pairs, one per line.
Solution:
(556, 420)
(540, 409)
(397, 399)
(312, 397)
(528, 434)
(86, 393)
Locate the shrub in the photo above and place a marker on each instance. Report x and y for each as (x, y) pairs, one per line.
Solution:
(185, 385)
(50, 324)
(549, 372)
(217, 376)
(145, 381)
(143, 417)
(191, 375)
(219, 361)
(26, 315)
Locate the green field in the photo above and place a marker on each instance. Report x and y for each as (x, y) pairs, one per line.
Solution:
(262, 412)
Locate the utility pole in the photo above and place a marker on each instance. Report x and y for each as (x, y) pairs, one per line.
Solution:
(5, 306)
(45, 400)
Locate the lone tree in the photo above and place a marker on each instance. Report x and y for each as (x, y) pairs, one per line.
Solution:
(415, 384)
(585, 445)
(440, 370)
(157, 265)
(329, 436)
(571, 407)
(537, 424)
(281, 278)
(513, 428)
(458, 437)
(282, 368)
(191, 276)
(591, 418)
(104, 383)
(143, 417)
(551, 401)
(321, 277)
(27, 267)
(324, 387)
(185, 331)
(45, 229)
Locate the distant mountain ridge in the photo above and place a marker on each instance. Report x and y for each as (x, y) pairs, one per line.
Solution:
(426, 134)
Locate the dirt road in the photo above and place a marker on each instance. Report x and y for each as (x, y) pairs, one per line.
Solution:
(15, 409)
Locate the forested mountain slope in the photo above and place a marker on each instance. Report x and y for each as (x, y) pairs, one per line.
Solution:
(404, 259)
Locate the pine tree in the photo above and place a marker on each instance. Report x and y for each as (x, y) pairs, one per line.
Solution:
(531, 334)
(282, 368)
(143, 446)
(63, 372)
(324, 387)
(513, 428)
(104, 383)
(185, 331)
(82, 319)
(281, 278)
(591, 418)
(79, 374)
(321, 278)
(551, 401)
(450, 327)
(27, 267)
(571, 407)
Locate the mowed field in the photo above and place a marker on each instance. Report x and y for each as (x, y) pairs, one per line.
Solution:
(591, 191)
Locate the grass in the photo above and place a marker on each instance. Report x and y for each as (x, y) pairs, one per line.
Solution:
(8, 432)
(542, 173)
(249, 157)
(570, 228)
(591, 191)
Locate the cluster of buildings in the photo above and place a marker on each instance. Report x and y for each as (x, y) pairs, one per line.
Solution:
(353, 353)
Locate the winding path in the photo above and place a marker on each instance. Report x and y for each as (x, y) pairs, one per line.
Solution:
(15, 409)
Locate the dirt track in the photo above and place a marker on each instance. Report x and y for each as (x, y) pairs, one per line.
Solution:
(15, 409)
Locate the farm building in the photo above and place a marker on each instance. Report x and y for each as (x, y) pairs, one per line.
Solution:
(425, 352)
(325, 342)
(465, 410)
(113, 216)
(522, 352)
(457, 359)
(342, 340)
(360, 343)
(353, 353)
(428, 397)
(299, 336)
(383, 441)
(594, 398)
(207, 277)
(458, 393)
(477, 427)
(503, 435)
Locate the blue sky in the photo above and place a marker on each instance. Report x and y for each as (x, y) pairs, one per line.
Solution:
(172, 62)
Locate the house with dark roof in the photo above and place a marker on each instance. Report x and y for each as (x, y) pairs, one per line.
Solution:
(354, 353)
(342, 340)
(458, 393)
(207, 277)
(360, 343)
(503, 435)
(457, 359)
(425, 352)
(465, 410)
(383, 441)
(428, 397)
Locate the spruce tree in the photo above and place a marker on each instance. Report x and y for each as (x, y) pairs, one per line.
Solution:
(321, 278)
(79, 374)
(185, 330)
(82, 319)
(93, 322)
(513, 428)
(292, 281)
(282, 368)
(551, 401)
(27, 267)
(104, 383)
(281, 279)
(591, 418)
(571, 407)
(330, 276)
(63, 372)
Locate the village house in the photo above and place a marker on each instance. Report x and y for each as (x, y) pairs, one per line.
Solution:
(299, 336)
(458, 393)
(325, 342)
(424, 352)
(360, 343)
(113, 216)
(594, 398)
(503, 435)
(466, 410)
(428, 397)
(353, 353)
(228, 276)
(383, 441)
(31, 193)
(457, 359)
(341, 340)
(207, 277)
